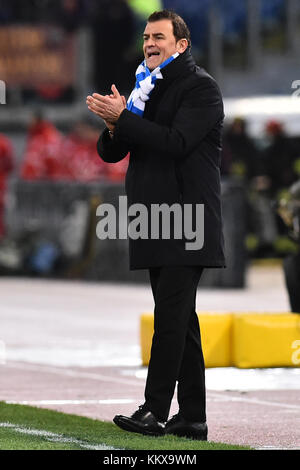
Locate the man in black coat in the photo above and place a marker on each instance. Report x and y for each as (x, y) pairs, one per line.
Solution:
(172, 128)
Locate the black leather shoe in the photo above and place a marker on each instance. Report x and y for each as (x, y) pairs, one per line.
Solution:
(178, 426)
(142, 421)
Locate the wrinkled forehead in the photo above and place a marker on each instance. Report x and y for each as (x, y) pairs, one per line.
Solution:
(164, 27)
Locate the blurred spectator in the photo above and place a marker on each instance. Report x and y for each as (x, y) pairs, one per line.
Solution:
(113, 28)
(6, 167)
(275, 173)
(278, 158)
(116, 172)
(42, 158)
(247, 164)
(51, 156)
(78, 153)
(226, 159)
(243, 153)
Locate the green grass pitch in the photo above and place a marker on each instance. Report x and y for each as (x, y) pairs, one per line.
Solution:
(29, 428)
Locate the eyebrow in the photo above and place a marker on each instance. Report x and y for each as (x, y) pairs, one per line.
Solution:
(154, 34)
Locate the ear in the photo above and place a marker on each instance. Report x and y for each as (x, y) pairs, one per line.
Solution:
(182, 45)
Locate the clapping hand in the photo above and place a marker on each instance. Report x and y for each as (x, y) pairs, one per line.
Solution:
(108, 107)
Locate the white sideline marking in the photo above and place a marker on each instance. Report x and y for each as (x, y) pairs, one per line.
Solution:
(72, 373)
(118, 401)
(53, 437)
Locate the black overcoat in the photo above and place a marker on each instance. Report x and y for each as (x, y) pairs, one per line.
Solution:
(175, 152)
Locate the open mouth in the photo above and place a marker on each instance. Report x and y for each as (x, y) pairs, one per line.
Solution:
(151, 54)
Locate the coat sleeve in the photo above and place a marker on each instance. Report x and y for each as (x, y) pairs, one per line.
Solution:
(111, 150)
(200, 110)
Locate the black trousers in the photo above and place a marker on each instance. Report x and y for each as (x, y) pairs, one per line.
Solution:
(291, 265)
(176, 352)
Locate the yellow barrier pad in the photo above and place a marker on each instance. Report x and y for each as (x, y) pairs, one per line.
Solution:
(146, 333)
(216, 337)
(266, 340)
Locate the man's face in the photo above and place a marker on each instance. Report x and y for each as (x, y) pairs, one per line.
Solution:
(160, 43)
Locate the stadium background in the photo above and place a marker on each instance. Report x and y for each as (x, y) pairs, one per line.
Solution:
(53, 53)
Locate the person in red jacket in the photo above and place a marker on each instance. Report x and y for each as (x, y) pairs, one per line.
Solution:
(78, 154)
(42, 154)
(6, 167)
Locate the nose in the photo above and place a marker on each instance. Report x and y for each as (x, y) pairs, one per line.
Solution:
(149, 41)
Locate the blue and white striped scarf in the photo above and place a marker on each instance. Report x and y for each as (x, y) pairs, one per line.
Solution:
(145, 82)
